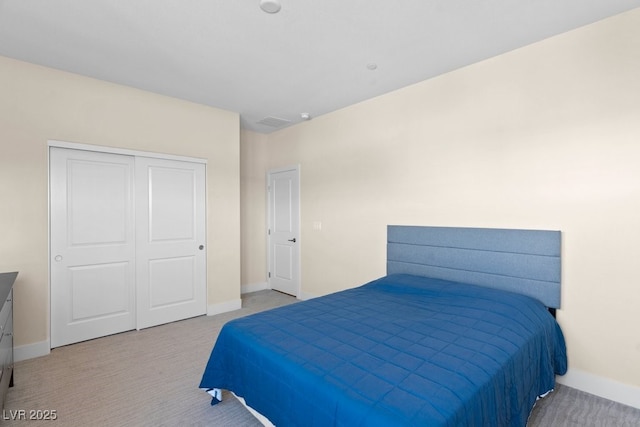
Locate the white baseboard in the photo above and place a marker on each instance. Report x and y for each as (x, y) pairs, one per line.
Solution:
(253, 287)
(31, 351)
(303, 296)
(603, 387)
(224, 307)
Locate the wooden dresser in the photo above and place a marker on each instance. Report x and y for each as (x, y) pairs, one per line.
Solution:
(6, 334)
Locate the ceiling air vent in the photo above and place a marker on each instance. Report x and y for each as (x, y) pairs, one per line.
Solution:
(274, 122)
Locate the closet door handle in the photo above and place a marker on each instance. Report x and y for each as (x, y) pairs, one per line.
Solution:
(293, 240)
(201, 247)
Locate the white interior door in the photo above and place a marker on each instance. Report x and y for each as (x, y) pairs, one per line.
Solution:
(92, 245)
(284, 230)
(171, 253)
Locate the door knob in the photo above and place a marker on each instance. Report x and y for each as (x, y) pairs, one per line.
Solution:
(201, 247)
(293, 240)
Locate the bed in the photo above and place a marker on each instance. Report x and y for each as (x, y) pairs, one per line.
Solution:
(460, 332)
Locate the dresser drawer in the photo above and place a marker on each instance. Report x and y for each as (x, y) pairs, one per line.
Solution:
(6, 334)
(5, 312)
(6, 344)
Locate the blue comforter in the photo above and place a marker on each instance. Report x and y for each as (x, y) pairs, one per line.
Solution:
(402, 350)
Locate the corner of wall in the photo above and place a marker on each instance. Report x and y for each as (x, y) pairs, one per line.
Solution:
(224, 307)
(253, 287)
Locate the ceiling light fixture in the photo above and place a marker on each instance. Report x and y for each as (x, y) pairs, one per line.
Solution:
(372, 66)
(270, 6)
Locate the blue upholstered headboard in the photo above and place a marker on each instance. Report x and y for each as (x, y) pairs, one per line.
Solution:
(523, 261)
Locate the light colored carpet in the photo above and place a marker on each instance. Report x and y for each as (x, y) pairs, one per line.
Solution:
(151, 377)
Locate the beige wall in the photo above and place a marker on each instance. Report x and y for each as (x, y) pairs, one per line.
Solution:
(39, 104)
(253, 201)
(545, 137)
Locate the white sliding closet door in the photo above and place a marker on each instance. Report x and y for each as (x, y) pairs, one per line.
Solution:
(170, 254)
(127, 238)
(92, 245)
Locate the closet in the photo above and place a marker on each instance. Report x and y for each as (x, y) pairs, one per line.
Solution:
(127, 242)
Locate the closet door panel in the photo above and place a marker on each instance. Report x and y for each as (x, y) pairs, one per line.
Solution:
(170, 252)
(92, 245)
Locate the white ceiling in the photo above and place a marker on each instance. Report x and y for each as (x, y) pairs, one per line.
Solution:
(311, 57)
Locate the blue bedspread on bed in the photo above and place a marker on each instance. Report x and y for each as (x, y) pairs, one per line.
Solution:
(401, 350)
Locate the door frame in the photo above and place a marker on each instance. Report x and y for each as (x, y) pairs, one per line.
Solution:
(298, 258)
(100, 149)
